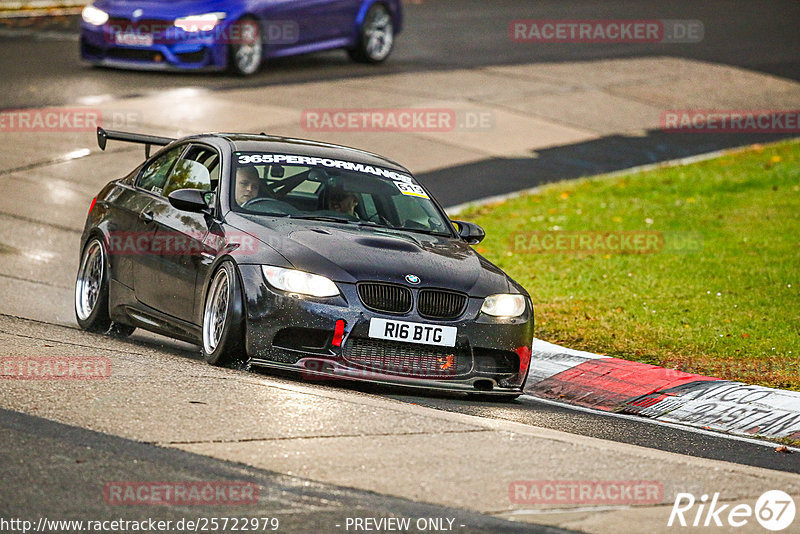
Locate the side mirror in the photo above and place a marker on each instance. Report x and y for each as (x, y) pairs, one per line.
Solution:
(193, 200)
(470, 232)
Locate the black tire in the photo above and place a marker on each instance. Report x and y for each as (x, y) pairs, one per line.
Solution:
(245, 57)
(91, 292)
(223, 335)
(120, 330)
(375, 37)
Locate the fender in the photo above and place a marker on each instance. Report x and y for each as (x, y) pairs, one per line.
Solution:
(395, 8)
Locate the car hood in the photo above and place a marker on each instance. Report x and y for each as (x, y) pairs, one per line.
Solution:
(352, 253)
(165, 8)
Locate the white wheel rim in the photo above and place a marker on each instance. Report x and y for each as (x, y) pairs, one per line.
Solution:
(90, 279)
(378, 34)
(216, 311)
(248, 55)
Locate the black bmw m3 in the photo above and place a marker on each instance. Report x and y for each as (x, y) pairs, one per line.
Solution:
(299, 255)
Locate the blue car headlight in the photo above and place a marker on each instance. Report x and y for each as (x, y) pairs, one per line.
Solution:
(300, 282)
(94, 16)
(199, 23)
(504, 305)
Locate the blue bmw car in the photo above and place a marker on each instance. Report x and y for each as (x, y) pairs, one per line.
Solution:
(234, 35)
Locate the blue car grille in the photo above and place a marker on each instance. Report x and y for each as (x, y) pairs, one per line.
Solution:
(163, 31)
(144, 25)
(132, 54)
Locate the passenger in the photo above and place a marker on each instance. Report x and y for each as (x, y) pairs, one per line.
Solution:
(247, 184)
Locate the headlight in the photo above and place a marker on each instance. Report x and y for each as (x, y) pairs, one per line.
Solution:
(95, 17)
(294, 281)
(504, 305)
(199, 23)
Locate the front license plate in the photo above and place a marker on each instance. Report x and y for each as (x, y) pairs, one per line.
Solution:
(134, 39)
(428, 334)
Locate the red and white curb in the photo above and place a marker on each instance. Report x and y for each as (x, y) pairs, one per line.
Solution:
(614, 385)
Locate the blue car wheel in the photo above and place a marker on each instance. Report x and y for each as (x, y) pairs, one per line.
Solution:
(376, 36)
(246, 54)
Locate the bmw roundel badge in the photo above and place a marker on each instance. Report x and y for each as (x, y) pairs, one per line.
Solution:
(412, 279)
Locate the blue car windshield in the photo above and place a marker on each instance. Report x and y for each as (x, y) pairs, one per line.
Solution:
(332, 190)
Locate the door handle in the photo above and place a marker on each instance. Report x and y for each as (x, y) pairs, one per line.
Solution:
(146, 216)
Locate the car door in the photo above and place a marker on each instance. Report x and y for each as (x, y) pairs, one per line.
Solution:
(137, 244)
(126, 203)
(315, 20)
(337, 18)
(180, 247)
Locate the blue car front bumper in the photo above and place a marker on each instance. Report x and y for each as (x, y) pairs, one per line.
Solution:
(176, 51)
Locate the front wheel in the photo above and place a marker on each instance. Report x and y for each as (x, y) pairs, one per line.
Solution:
(246, 52)
(223, 319)
(91, 293)
(376, 37)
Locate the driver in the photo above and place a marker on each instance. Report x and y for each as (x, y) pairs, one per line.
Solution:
(344, 202)
(247, 184)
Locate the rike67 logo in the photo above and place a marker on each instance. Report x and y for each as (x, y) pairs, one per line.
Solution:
(774, 510)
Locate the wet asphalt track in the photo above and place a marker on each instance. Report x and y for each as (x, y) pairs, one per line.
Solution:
(40, 65)
(755, 35)
(69, 465)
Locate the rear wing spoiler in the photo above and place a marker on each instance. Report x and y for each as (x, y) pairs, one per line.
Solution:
(147, 140)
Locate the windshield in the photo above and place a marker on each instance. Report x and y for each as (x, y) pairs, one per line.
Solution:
(332, 190)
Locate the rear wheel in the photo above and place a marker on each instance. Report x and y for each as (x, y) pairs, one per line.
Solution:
(376, 37)
(245, 55)
(223, 319)
(91, 292)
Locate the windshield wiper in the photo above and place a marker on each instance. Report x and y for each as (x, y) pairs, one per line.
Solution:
(329, 218)
(422, 231)
(265, 214)
(370, 224)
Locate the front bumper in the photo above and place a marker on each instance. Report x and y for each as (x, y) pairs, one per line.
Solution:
(198, 54)
(491, 356)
